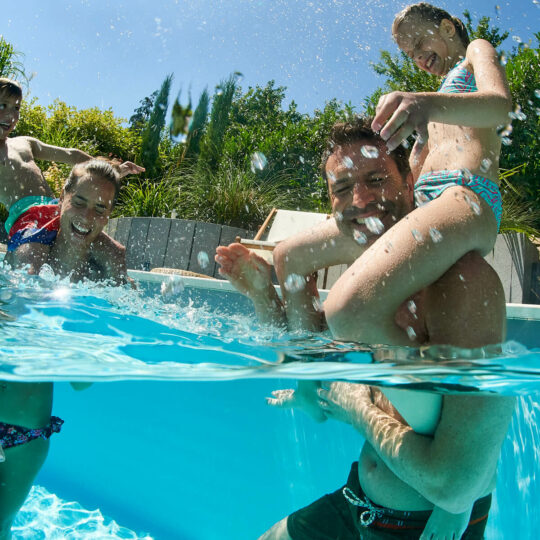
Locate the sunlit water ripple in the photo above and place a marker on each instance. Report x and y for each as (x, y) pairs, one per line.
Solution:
(62, 331)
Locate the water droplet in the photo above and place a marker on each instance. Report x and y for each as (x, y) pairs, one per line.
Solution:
(173, 286)
(301, 158)
(5, 295)
(467, 174)
(461, 277)
(474, 205)
(258, 161)
(420, 198)
(360, 237)
(504, 60)
(417, 235)
(47, 273)
(517, 39)
(405, 144)
(506, 141)
(485, 165)
(411, 333)
(411, 306)
(202, 259)
(317, 304)
(338, 216)
(348, 162)
(537, 93)
(374, 225)
(369, 152)
(436, 236)
(294, 283)
(331, 176)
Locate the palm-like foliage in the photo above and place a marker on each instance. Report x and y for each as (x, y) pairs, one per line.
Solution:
(10, 65)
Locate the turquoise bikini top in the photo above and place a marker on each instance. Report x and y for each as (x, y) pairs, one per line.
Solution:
(458, 81)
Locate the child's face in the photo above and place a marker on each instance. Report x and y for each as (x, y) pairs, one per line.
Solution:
(9, 114)
(427, 44)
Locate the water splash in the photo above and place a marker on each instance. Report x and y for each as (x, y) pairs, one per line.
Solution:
(258, 162)
(369, 152)
(295, 283)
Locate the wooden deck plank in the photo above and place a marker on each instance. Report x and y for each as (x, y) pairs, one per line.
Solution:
(205, 242)
(156, 242)
(179, 244)
(137, 243)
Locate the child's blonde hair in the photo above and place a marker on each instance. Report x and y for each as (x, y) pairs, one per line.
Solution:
(426, 11)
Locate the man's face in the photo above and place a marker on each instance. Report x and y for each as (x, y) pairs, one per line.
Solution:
(367, 190)
(9, 114)
(86, 209)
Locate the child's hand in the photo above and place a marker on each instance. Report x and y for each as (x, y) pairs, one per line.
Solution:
(445, 526)
(129, 167)
(401, 113)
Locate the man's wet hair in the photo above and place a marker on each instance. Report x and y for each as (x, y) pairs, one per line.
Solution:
(99, 167)
(359, 129)
(10, 88)
(427, 12)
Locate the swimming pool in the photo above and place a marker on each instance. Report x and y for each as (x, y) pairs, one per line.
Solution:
(180, 458)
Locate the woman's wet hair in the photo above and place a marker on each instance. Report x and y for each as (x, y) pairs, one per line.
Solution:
(99, 167)
(358, 129)
(10, 88)
(427, 12)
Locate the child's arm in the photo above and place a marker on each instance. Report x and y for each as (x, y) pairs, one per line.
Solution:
(401, 113)
(444, 525)
(48, 152)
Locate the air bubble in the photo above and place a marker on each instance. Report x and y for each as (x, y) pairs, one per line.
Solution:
(360, 237)
(370, 152)
(258, 162)
(374, 225)
(436, 236)
(202, 259)
(294, 283)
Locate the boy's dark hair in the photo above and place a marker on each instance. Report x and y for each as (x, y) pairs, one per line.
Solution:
(99, 167)
(426, 11)
(10, 88)
(359, 129)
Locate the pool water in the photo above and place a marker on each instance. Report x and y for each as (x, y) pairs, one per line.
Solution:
(175, 440)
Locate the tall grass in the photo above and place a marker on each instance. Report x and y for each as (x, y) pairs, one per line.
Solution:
(147, 199)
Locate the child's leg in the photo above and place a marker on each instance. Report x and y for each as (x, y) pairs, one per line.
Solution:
(33, 254)
(17, 474)
(413, 254)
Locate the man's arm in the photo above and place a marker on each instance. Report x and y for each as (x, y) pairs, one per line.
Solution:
(451, 469)
(300, 256)
(48, 152)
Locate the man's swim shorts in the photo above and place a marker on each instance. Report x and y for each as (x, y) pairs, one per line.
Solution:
(335, 517)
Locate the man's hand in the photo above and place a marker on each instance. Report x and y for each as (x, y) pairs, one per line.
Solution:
(304, 398)
(344, 401)
(401, 114)
(129, 167)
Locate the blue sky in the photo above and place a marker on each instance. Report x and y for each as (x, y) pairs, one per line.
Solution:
(110, 53)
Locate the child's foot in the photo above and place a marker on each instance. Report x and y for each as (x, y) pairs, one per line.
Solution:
(249, 274)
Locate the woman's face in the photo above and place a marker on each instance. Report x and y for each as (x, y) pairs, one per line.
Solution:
(85, 210)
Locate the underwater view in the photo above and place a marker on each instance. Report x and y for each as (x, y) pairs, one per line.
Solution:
(270, 270)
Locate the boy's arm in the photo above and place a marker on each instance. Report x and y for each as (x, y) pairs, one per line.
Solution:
(48, 152)
(298, 257)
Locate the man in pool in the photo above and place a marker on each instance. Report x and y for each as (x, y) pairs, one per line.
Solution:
(448, 461)
(26, 423)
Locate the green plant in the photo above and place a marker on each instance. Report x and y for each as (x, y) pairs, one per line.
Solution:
(153, 131)
(10, 65)
(148, 199)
